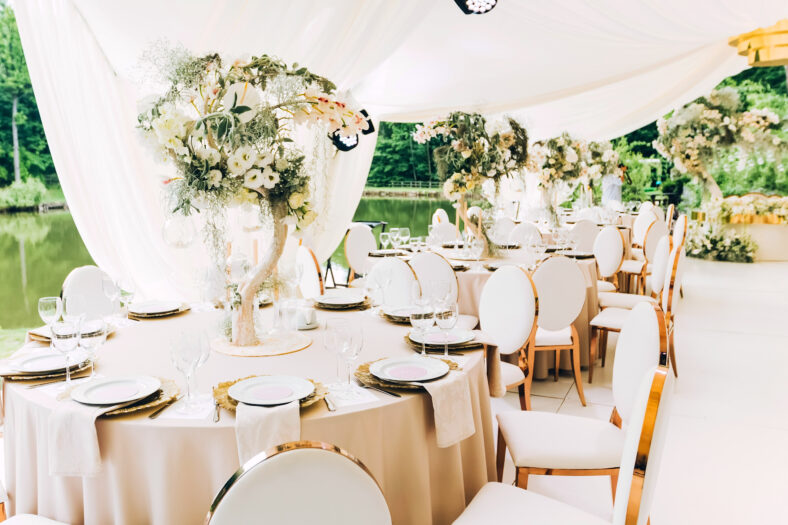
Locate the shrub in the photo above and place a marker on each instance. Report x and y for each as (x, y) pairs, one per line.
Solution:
(712, 241)
(24, 194)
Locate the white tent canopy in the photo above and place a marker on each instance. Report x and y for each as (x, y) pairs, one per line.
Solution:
(597, 69)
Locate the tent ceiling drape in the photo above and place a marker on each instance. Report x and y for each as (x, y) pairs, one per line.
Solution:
(597, 69)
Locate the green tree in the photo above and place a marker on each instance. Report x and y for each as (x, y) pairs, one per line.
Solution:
(399, 158)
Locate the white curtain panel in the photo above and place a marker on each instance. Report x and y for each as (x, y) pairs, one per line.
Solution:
(597, 69)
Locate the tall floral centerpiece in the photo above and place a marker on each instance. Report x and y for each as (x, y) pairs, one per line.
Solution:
(229, 129)
(699, 134)
(472, 152)
(559, 164)
(600, 160)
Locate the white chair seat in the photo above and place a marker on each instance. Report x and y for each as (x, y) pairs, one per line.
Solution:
(613, 318)
(548, 440)
(605, 286)
(622, 300)
(561, 337)
(637, 254)
(499, 503)
(631, 266)
(30, 519)
(467, 322)
(511, 374)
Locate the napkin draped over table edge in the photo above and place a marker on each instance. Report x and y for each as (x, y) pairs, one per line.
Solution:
(452, 408)
(259, 428)
(72, 439)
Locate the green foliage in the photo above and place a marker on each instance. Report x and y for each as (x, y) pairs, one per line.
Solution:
(398, 158)
(712, 241)
(638, 175)
(25, 194)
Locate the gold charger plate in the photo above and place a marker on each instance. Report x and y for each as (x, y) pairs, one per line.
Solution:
(142, 317)
(220, 393)
(77, 369)
(169, 390)
(341, 308)
(470, 345)
(363, 374)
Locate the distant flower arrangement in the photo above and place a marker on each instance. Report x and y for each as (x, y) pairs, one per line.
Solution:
(559, 159)
(752, 208)
(694, 136)
(474, 151)
(711, 240)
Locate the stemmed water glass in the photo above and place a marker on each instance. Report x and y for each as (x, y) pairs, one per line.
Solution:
(50, 310)
(65, 339)
(374, 291)
(446, 316)
(350, 353)
(404, 235)
(337, 338)
(476, 248)
(394, 233)
(422, 316)
(111, 290)
(93, 341)
(385, 239)
(188, 352)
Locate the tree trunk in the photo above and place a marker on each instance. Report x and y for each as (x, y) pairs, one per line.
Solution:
(244, 334)
(15, 138)
(476, 229)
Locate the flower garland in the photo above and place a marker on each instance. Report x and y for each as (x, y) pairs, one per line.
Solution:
(749, 209)
(710, 240)
(694, 136)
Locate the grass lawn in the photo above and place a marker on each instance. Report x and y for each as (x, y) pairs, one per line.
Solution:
(11, 340)
(54, 195)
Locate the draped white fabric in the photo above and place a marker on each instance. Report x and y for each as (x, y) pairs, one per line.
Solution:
(597, 69)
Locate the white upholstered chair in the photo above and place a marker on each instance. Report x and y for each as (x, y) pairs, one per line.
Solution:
(311, 284)
(654, 282)
(588, 214)
(474, 211)
(583, 233)
(671, 211)
(523, 232)
(637, 267)
(645, 206)
(641, 454)
(656, 231)
(445, 232)
(359, 241)
(609, 254)
(670, 295)
(640, 226)
(400, 277)
(502, 230)
(659, 212)
(440, 217)
(85, 282)
(679, 231)
(546, 443)
(431, 267)
(507, 315)
(561, 290)
(270, 488)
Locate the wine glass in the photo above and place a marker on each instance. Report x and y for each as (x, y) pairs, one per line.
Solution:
(126, 294)
(475, 250)
(188, 352)
(395, 238)
(422, 316)
(446, 316)
(350, 352)
(374, 291)
(385, 240)
(382, 275)
(92, 341)
(404, 235)
(65, 339)
(336, 338)
(74, 308)
(50, 310)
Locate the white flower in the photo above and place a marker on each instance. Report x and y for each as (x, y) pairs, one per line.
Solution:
(571, 155)
(241, 160)
(308, 218)
(242, 94)
(208, 154)
(281, 164)
(296, 200)
(465, 153)
(170, 125)
(253, 179)
(270, 178)
(214, 178)
(264, 160)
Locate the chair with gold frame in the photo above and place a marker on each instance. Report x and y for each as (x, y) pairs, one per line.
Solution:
(638, 472)
(654, 282)
(609, 255)
(669, 216)
(270, 488)
(508, 308)
(311, 284)
(545, 443)
(561, 287)
(636, 267)
(359, 241)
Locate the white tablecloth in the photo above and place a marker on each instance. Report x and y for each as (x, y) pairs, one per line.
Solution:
(167, 471)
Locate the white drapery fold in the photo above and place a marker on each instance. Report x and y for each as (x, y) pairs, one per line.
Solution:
(596, 69)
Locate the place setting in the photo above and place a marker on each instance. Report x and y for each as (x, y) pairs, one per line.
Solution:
(155, 309)
(342, 299)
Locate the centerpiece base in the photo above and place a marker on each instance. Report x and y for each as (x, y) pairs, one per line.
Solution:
(269, 345)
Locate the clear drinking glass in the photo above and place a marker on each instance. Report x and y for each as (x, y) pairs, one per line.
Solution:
(336, 338)
(65, 339)
(446, 316)
(404, 235)
(395, 240)
(50, 309)
(92, 341)
(188, 352)
(74, 308)
(111, 290)
(374, 292)
(422, 315)
(351, 352)
(385, 240)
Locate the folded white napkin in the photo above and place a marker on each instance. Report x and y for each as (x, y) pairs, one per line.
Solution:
(361, 396)
(451, 404)
(72, 439)
(493, 361)
(259, 428)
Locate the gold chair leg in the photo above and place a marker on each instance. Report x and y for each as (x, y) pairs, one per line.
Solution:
(529, 378)
(557, 362)
(501, 457)
(525, 397)
(613, 483)
(521, 477)
(672, 353)
(576, 371)
(592, 346)
(603, 346)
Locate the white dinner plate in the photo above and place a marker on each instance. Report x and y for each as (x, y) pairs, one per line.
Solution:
(341, 298)
(271, 390)
(398, 311)
(115, 390)
(154, 307)
(453, 337)
(46, 361)
(407, 369)
(89, 329)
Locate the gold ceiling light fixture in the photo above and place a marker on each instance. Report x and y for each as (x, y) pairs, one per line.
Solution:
(766, 46)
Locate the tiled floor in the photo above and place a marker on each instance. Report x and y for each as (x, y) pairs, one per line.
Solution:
(726, 459)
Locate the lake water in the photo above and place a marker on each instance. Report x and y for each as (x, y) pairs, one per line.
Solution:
(37, 251)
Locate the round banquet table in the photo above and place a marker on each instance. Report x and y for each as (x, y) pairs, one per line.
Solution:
(168, 471)
(471, 282)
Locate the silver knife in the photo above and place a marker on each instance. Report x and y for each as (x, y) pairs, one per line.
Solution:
(216, 411)
(329, 404)
(376, 389)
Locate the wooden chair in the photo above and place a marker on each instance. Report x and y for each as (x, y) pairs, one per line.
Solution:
(546, 443)
(639, 463)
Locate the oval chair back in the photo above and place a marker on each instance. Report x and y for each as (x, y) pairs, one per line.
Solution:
(660, 265)
(561, 289)
(523, 232)
(440, 217)
(502, 230)
(359, 241)
(670, 287)
(584, 233)
(656, 231)
(445, 232)
(430, 268)
(659, 212)
(609, 251)
(311, 284)
(644, 445)
(645, 206)
(270, 488)
(588, 214)
(508, 308)
(669, 216)
(640, 346)
(85, 282)
(640, 226)
(679, 231)
(400, 278)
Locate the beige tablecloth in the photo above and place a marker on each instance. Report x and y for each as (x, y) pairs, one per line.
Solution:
(470, 289)
(168, 471)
